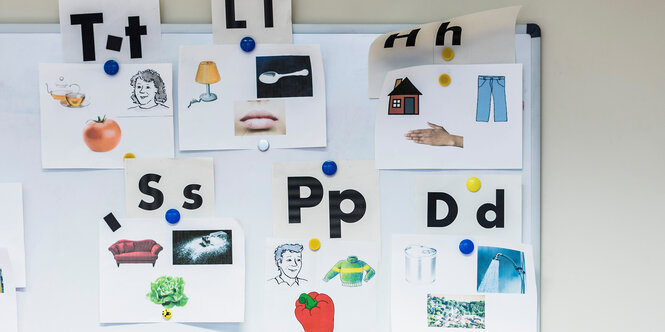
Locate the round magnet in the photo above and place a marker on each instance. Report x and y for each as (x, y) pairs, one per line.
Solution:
(111, 67)
(466, 246)
(128, 155)
(473, 184)
(444, 79)
(172, 216)
(166, 313)
(314, 244)
(447, 54)
(329, 167)
(263, 145)
(247, 44)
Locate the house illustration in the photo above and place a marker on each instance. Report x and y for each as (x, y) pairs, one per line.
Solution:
(403, 98)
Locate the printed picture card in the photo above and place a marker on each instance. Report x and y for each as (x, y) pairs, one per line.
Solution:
(339, 280)
(11, 229)
(154, 186)
(8, 310)
(152, 271)
(92, 120)
(266, 21)
(450, 117)
(485, 37)
(230, 99)
(446, 204)
(434, 285)
(307, 203)
(97, 30)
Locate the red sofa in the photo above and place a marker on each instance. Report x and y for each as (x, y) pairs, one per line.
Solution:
(127, 251)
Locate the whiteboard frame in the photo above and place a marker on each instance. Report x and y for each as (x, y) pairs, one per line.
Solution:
(531, 171)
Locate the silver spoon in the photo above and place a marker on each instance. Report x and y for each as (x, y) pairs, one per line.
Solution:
(271, 77)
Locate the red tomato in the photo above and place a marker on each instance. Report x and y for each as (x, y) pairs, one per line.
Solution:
(102, 135)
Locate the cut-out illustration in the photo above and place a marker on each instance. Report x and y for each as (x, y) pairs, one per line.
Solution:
(494, 277)
(259, 117)
(202, 247)
(168, 292)
(288, 258)
(148, 90)
(436, 136)
(456, 311)
(102, 134)
(206, 74)
(315, 312)
(68, 95)
(404, 98)
(351, 271)
(135, 252)
(491, 87)
(420, 264)
(283, 76)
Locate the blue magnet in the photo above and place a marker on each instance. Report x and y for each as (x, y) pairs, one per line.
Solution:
(111, 67)
(247, 44)
(172, 216)
(466, 246)
(329, 167)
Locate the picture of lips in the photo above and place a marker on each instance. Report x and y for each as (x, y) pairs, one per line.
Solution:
(259, 117)
(259, 120)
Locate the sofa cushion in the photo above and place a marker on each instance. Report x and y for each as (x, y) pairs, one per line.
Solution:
(145, 245)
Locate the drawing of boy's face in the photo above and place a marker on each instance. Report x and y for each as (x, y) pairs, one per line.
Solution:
(145, 91)
(290, 263)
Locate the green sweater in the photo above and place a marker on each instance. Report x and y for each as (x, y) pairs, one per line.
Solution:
(351, 272)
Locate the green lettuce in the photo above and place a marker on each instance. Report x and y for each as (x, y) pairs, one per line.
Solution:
(168, 291)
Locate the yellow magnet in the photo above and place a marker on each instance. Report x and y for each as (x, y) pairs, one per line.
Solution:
(444, 79)
(314, 244)
(447, 54)
(128, 155)
(473, 184)
(166, 313)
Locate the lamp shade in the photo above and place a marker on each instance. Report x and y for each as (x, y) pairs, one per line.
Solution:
(207, 73)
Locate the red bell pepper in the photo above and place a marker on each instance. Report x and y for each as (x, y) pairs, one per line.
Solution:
(315, 312)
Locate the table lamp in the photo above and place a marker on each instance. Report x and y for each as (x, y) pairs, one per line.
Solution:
(207, 74)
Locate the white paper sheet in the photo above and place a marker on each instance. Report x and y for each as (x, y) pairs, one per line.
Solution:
(485, 37)
(354, 308)
(11, 229)
(266, 21)
(318, 216)
(289, 111)
(456, 274)
(139, 99)
(187, 185)
(490, 130)
(468, 205)
(132, 24)
(8, 310)
(211, 264)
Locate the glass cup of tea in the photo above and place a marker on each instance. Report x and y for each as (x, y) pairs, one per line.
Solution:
(75, 99)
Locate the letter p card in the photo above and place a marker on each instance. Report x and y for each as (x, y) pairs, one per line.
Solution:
(309, 204)
(154, 186)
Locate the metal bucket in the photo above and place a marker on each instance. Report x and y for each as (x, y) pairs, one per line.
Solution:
(420, 264)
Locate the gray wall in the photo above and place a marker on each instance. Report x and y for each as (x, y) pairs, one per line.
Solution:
(603, 86)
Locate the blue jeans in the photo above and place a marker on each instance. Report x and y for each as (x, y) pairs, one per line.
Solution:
(491, 87)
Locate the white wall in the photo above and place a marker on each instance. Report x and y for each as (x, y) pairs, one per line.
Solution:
(603, 87)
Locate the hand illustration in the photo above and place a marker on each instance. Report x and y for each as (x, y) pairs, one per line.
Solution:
(436, 136)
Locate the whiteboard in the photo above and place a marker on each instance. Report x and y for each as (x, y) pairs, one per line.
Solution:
(62, 209)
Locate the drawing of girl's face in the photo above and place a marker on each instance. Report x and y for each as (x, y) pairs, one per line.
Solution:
(145, 92)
